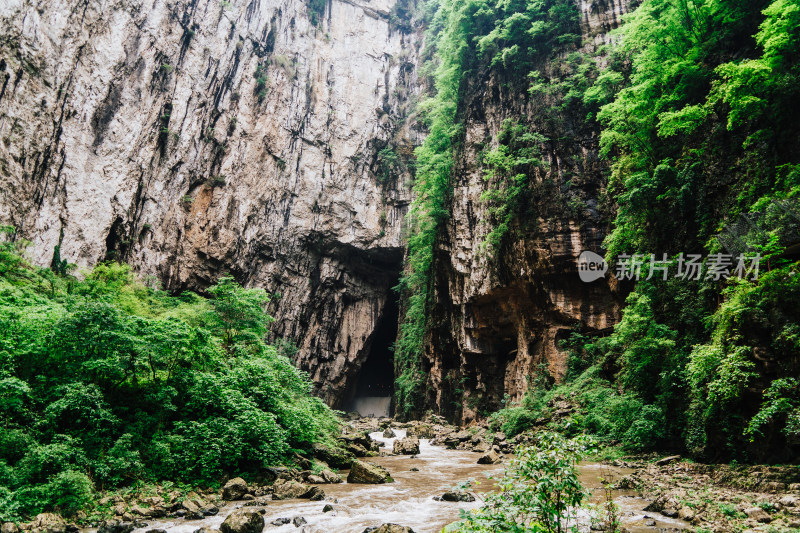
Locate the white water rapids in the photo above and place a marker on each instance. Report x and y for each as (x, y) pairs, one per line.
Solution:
(409, 500)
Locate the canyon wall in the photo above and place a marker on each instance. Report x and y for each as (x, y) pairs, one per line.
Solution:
(500, 318)
(196, 137)
(191, 138)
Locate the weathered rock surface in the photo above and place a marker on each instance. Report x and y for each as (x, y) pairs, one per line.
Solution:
(499, 318)
(489, 458)
(243, 522)
(406, 446)
(234, 489)
(287, 490)
(50, 523)
(455, 496)
(389, 528)
(364, 472)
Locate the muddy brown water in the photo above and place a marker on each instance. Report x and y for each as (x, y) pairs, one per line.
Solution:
(409, 500)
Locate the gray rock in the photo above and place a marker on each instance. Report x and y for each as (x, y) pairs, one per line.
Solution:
(234, 489)
(489, 458)
(406, 446)
(364, 472)
(243, 522)
(299, 521)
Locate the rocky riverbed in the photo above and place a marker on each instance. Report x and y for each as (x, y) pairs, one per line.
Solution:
(408, 474)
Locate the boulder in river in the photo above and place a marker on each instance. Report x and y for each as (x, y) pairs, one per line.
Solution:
(235, 489)
(331, 477)
(489, 458)
(299, 521)
(287, 490)
(364, 472)
(201, 530)
(243, 522)
(115, 526)
(389, 528)
(314, 494)
(455, 496)
(388, 433)
(406, 446)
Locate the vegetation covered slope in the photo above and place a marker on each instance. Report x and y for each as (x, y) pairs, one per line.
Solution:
(105, 382)
(695, 105)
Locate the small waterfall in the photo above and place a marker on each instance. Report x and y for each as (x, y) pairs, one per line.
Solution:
(372, 405)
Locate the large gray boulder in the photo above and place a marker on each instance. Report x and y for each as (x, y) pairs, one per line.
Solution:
(406, 446)
(49, 523)
(243, 522)
(389, 528)
(364, 472)
(235, 489)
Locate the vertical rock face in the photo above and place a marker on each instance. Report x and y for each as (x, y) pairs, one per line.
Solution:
(499, 319)
(195, 137)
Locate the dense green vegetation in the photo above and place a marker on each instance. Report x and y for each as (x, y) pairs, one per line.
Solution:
(106, 382)
(697, 109)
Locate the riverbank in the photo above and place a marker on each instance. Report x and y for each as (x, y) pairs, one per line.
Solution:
(425, 463)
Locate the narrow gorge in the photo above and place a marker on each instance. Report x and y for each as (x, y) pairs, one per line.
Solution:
(275, 142)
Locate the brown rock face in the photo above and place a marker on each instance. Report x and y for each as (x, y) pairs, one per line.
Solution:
(499, 318)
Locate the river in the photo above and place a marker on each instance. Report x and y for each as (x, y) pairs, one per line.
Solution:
(409, 500)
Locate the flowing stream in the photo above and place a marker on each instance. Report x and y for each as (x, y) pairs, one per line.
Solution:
(409, 500)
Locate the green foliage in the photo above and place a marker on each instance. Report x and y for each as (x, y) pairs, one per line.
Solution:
(106, 382)
(509, 169)
(539, 492)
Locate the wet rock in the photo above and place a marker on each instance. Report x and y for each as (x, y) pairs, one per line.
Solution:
(389, 528)
(333, 457)
(328, 508)
(116, 526)
(388, 433)
(455, 496)
(280, 522)
(211, 510)
(287, 490)
(406, 446)
(315, 479)
(668, 460)
(243, 522)
(234, 489)
(331, 477)
(414, 469)
(758, 514)
(489, 458)
(669, 512)
(49, 523)
(454, 439)
(314, 494)
(364, 472)
(299, 521)
(201, 530)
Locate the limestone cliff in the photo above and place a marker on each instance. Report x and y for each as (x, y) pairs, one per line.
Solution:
(193, 137)
(263, 138)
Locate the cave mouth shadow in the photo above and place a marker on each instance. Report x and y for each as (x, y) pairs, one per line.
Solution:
(373, 388)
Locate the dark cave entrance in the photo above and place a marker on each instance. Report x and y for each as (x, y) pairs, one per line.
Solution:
(373, 388)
